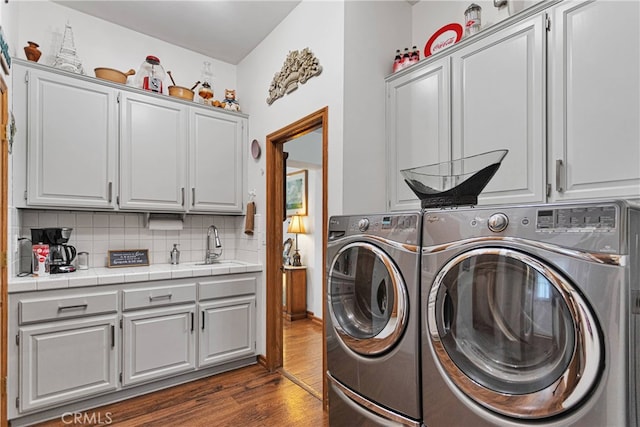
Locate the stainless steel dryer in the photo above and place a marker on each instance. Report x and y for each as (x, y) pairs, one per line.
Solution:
(530, 316)
(373, 326)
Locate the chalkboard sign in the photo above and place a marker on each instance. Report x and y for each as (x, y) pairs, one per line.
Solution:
(128, 258)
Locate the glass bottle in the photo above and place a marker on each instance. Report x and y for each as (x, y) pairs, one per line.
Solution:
(206, 87)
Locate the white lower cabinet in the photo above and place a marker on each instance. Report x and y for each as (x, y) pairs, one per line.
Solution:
(227, 330)
(157, 343)
(67, 360)
(75, 344)
(66, 345)
(227, 319)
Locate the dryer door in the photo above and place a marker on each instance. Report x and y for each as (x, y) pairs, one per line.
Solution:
(367, 299)
(513, 334)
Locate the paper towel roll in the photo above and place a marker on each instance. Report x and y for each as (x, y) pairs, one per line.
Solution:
(165, 224)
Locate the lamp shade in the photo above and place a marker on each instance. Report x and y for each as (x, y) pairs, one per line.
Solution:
(296, 225)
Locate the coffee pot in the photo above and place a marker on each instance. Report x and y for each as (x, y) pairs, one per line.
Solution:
(60, 254)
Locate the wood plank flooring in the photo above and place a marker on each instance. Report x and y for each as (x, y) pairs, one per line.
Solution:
(249, 396)
(303, 353)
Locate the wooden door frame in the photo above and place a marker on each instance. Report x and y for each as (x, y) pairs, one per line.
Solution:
(275, 212)
(4, 250)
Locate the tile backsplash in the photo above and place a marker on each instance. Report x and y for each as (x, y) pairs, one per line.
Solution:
(99, 232)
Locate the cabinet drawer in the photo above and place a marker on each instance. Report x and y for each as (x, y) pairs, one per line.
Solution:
(158, 296)
(227, 287)
(52, 308)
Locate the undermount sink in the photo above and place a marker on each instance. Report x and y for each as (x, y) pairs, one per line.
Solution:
(221, 262)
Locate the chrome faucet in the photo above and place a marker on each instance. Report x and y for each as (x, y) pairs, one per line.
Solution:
(210, 255)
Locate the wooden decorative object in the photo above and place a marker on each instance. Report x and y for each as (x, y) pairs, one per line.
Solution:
(299, 66)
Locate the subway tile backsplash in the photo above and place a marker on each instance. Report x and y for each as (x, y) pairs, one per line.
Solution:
(99, 232)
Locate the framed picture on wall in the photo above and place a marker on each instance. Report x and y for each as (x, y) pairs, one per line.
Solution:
(296, 193)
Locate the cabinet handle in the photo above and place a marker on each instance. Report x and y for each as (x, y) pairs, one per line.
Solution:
(182, 196)
(203, 320)
(73, 307)
(110, 191)
(113, 336)
(559, 173)
(193, 196)
(192, 321)
(159, 297)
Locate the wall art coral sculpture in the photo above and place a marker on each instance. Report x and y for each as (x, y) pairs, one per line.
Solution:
(299, 67)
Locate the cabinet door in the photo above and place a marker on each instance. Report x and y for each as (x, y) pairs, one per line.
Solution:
(227, 330)
(157, 343)
(216, 161)
(595, 100)
(418, 128)
(498, 101)
(72, 142)
(67, 360)
(153, 147)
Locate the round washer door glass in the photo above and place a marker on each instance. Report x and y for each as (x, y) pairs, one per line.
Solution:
(513, 333)
(367, 299)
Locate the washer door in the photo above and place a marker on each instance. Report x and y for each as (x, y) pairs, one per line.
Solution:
(513, 334)
(367, 299)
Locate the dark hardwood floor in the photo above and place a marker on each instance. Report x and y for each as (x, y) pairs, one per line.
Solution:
(250, 396)
(303, 353)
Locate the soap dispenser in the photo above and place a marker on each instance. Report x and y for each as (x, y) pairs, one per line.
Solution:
(175, 254)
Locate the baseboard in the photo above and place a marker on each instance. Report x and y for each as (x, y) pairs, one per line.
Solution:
(315, 320)
(262, 360)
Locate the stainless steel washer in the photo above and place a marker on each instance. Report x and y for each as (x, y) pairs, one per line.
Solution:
(373, 326)
(530, 315)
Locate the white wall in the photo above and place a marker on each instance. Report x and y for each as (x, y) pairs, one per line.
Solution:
(310, 243)
(427, 16)
(373, 32)
(102, 44)
(318, 26)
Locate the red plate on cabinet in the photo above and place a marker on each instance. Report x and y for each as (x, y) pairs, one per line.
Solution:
(446, 36)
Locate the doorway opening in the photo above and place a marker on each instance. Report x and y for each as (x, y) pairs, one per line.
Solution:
(276, 214)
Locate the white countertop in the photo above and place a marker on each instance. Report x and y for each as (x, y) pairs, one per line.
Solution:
(108, 276)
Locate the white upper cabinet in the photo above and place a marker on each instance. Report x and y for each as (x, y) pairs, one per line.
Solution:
(498, 102)
(215, 161)
(153, 149)
(85, 143)
(418, 127)
(72, 140)
(594, 89)
(486, 95)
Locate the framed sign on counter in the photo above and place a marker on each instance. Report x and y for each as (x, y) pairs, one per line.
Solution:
(128, 258)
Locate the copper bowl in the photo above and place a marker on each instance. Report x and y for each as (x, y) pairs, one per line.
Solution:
(113, 75)
(181, 92)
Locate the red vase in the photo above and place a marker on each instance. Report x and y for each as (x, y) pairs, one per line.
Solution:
(32, 51)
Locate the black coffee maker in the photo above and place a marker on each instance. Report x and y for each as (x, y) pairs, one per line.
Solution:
(60, 255)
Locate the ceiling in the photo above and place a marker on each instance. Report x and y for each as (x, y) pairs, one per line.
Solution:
(226, 30)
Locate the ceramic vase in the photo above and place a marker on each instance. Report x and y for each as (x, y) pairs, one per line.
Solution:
(32, 51)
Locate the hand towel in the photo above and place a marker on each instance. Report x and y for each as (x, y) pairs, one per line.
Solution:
(248, 225)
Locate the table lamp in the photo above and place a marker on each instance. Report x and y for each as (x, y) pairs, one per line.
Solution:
(296, 226)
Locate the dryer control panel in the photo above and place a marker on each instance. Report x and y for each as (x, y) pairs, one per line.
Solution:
(593, 227)
(591, 218)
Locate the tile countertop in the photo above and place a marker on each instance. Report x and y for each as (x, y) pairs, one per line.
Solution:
(109, 276)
